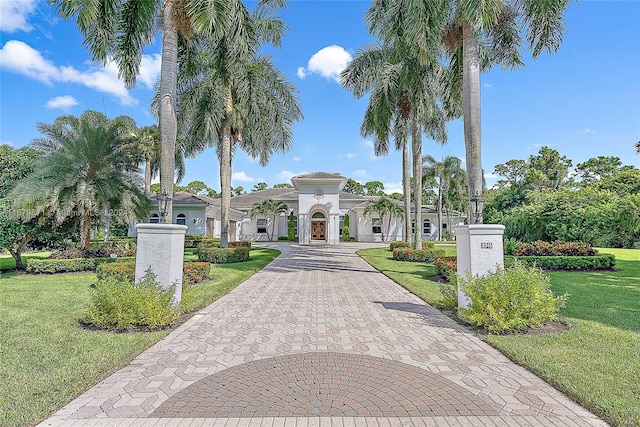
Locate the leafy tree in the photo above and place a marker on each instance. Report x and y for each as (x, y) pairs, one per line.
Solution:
(83, 171)
(269, 209)
(514, 172)
(384, 207)
(260, 186)
(291, 228)
(374, 188)
(346, 232)
(234, 97)
(548, 170)
(354, 187)
(238, 191)
(443, 173)
(396, 196)
(15, 164)
(283, 185)
(598, 167)
(638, 147)
(625, 181)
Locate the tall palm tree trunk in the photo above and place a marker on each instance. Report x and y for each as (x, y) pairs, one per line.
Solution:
(406, 189)
(471, 113)
(85, 229)
(225, 186)
(147, 175)
(168, 89)
(440, 190)
(416, 143)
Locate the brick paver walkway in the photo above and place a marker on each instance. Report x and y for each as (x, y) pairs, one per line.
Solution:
(319, 338)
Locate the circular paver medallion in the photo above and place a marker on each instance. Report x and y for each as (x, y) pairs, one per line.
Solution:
(323, 384)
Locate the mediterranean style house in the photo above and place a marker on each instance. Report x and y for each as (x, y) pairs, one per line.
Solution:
(319, 207)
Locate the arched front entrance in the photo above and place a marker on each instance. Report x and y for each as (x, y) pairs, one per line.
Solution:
(318, 226)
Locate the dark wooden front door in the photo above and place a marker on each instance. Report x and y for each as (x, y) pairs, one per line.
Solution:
(318, 230)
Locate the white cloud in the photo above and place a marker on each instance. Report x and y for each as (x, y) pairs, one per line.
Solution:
(297, 158)
(490, 176)
(487, 85)
(285, 175)
(14, 15)
(63, 102)
(587, 131)
(149, 70)
(360, 173)
(7, 142)
(327, 62)
(20, 58)
(393, 187)
(242, 177)
(350, 155)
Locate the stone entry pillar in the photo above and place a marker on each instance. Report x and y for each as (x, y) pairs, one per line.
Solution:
(161, 247)
(480, 250)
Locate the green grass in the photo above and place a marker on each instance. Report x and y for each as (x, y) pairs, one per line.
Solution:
(8, 263)
(46, 359)
(597, 362)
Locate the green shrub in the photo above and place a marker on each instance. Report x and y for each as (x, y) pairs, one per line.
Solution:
(445, 265)
(223, 255)
(598, 262)
(511, 299)
(421, 255)
(121, 305)
(541, 248)
(193, 271)
(398, 244)
(428, 244)
(449, 291)
(193, 240)
(50, 266)
(215, 243)
(510, 246)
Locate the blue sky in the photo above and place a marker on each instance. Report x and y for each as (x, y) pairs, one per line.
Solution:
(583, 101)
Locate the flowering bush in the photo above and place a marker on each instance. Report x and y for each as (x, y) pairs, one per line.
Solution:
(446, 265)
(541, 248)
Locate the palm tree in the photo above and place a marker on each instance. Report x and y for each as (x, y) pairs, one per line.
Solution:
(403, 101)
(121, 30)
(384, 207)
(85, 169)
(146, 143)
(232, 100)
(442, 172)
(269, 208)
(498, 24)
(638, 147)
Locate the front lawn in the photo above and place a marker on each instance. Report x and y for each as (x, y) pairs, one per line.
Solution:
(597, 362)
(47, 359)
(8, 263)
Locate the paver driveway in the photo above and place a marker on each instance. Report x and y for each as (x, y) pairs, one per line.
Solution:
(321, 338)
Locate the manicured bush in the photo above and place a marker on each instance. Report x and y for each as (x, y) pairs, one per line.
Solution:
(446, 265)
(541, 248)
(398, 244)
(193, 272)
(511, 299)
(428, 244)
(215, 243)
(510, 246)
(223, 255)
(414, 255)
(122, 248)
(449, 291)
(121, 305)
(193, 240)
(50, 266)
(598, 262)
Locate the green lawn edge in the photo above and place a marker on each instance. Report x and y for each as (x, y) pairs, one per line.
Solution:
(597, 362)
(47, 359)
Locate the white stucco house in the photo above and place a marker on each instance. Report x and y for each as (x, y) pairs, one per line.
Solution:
(319, 206)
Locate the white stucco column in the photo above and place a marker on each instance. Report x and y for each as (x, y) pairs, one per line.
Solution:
(480, 250)
(304, 231)
(161, 248)
(333, 229)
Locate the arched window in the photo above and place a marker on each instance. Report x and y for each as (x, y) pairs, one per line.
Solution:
(181, 219)
(318, 215)
(155, 219)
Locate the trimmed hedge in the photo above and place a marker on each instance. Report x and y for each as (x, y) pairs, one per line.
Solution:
(541, 248)
(193, 271)
(399, 244)
(422, 255)
(50, 266)
(597, 262)
(193, 240)
(229, 255)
